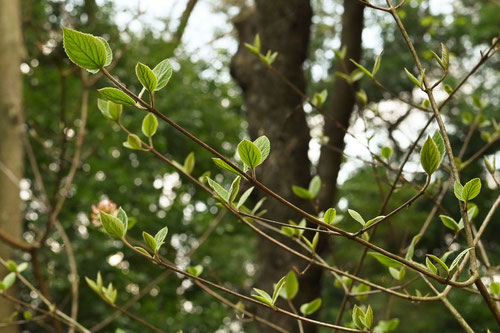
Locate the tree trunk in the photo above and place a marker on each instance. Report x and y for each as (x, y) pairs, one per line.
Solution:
(11, 149)
(275, 110)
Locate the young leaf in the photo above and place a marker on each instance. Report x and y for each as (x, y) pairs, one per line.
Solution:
(311, 307)
(234, 189)
(373, 220)
(93, 285)
(386, 152)
(440, 262)
(277, 288)
(116, 96)
(109, 109)
(11, 266)
(384, 260)
(249, 153)
(160, 238)
(262, 142)
(133, 142)
(195, 270)
(163, 72)
(363, 69)
(320, 98)
(398, 274)
(150, 241)
(315, 186)
(22, 267)
(456, 261)
(302, 192)
(458, 189)
(84, 50)
(109, 52)
(445, 56)
(429, 156)
(244, 197)
(263, 297)
(122, 216)
(471, 189)
(386, 326)
(330, 215)
(223, 165)
(149, 125)
(438, 140)
(189, 163)
(9, 280)
(495, 288)
(113, 226)
(376, 65)
(356, 216)
(357, 317)
(219, 190)
(430, 266)
(413, 78)
(146, 77)
(450, 223)
(142, 250)
(368, 319)
(291, 285)
(411, 248)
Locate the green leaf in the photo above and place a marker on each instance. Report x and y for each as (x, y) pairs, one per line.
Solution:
(291, 285)
(376, 65)
(456, 261)
(368, 319)
(411, 248)
(445, 56)
(122, 216)
(356, 216)
(277, 288)
(450, 223)
(413, 78)
(249, 153)
(149, 125)
(361, 288)
(311, 307)
(133, 142)
(385, 260)
(320, 98)
(244, 197)
(116, 96)
(263, 297)
(160, 238)
(385, 326)
(142, 250)
(109, 109)
(471, 189)
(219, 190)
(315, 186)
(363, 69)
(357, 317)
(109, 52)
(22, 267)
(430, 265)
(234, 189)
(439, 262)
(356, 75)
(150, 241)
(489, 166)
(386, 152)
(195, 270)
(438, 140)
(93, 285)
(189, 163)
(429, 156)
(373, 220)
(146, 77)
(11, 266)
(27, 315)
(262, 142)
(397, 274)
(9, 280)
(458, 189)
(223, 165)
(302, 192)
(163, 72)
(495, 288)
(330, 215)
(85, 50)
(113, 226)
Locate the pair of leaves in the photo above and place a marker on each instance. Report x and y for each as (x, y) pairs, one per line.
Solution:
(264, 297)
(156, 242)
(254, 153)
(444, 60)
(108, 293)
(109, 109)
(357, 217)
(450, 223)
(418, 82)
(362, 319)
(319, 98)
(15, 268)
(230, 196)
(376, 66)
(294, 232)
(432, 153)
(117, 226)
(469, 191)
(438, 265)
(195, 270)
(311, 192)
(268, 59)
(87, 51)
(386, 326)
(133, 142)
(154, 79)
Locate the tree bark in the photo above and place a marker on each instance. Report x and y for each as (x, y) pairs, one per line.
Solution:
(11, 149)
(275, 110)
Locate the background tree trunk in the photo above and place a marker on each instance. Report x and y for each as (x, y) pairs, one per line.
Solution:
(11, 148)
(275, 110)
